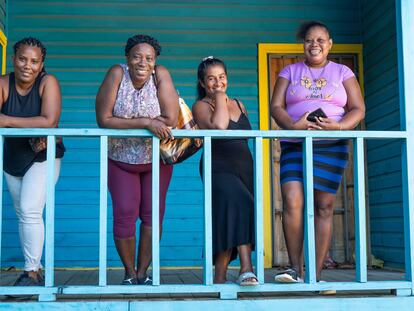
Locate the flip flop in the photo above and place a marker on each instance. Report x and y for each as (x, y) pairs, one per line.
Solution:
(242, 280)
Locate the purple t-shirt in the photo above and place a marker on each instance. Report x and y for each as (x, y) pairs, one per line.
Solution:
(313, 88)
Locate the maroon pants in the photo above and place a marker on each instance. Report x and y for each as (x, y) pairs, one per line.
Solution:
(130, 186)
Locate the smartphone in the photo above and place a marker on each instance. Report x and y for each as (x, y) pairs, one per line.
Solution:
(316, 114)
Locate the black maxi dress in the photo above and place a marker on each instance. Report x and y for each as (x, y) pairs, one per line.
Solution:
(232, 191)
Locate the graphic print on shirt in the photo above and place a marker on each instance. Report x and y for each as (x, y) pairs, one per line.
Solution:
(316, 84)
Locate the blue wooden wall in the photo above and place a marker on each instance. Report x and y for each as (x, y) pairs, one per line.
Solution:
(2, 14)
(2, 25)
(384, 157)
(84, 38)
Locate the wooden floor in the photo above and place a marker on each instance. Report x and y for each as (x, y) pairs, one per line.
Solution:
(195, 276)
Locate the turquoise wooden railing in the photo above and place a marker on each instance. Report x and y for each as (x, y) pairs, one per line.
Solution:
(227, 291)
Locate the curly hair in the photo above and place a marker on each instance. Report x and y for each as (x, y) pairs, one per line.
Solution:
(137, 39)
(201, 72)
(31, 42)
(306, 26)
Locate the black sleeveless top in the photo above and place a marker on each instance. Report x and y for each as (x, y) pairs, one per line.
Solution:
(18, 155)
(232, 155)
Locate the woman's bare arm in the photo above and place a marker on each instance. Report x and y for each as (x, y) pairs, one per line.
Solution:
(355, 105)
(208, 117)
(167, 96)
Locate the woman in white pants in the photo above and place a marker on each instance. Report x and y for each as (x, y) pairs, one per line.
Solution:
(30, 98)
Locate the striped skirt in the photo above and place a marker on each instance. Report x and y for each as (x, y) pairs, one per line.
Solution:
(330, 158)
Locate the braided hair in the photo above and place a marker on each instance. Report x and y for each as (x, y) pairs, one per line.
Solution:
(30, 41)
(137, 39)
(201, 72)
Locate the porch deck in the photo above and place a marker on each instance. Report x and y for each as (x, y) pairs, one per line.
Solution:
(64, 277)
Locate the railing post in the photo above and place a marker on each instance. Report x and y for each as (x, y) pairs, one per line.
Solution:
(258, 202)
(1, 195)
(103, 210)
(208, 236)
(360, 215)
(155, 211)
(407, 168)
(50, 219)
(309, 231)
(405, 45)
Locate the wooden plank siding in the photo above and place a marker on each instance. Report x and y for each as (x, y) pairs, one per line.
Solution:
(84, 38)
(3, 33)
(384, 157)
(3, 19)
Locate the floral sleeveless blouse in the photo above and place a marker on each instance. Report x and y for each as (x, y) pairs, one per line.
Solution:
(132, 103)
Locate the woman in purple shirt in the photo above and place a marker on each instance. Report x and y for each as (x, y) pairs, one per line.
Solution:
(300, 89)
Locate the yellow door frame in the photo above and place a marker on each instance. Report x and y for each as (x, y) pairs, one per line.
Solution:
(3, 42)
(264, 49)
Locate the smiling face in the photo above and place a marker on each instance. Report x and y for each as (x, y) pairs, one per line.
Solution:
(316, 46)
(27, 63)
(215, 79)
(141, 63)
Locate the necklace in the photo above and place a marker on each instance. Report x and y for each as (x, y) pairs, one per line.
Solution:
(320, 81)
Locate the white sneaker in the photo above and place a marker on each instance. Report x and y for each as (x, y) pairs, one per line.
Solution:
(288, 276)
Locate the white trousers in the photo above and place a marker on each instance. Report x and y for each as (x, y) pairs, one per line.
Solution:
(29, 197)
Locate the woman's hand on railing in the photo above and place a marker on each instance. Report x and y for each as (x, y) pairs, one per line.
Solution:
(159, 129)
(3, 122)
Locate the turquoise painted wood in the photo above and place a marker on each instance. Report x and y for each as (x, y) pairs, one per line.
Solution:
(226, 291)
(360, 219)
(258, 203)
(208, 234)
(1, 197)
(3, 17)
(84, 39)
(382, 98)
(3, 22)
(405, 26)
(318, 304)
(309, 219)
(103, 211)
(50, 220)
(96, 224)
(155, 211)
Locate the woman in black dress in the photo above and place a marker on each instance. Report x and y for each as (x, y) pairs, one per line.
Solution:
(232, 173)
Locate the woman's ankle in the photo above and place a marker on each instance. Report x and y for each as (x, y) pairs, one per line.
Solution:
(32, 274)
(219, 280)
(129, 274)
(141, 274)
(246, 268)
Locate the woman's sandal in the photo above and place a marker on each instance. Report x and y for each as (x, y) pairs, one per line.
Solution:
(245, 279)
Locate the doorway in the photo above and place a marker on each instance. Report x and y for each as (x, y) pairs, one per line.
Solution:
(272, 58)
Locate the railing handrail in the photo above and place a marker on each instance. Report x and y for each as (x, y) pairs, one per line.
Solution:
(358, 137)
(95, 132)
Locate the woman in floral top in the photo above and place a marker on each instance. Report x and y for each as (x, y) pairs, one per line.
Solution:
(136, 95)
